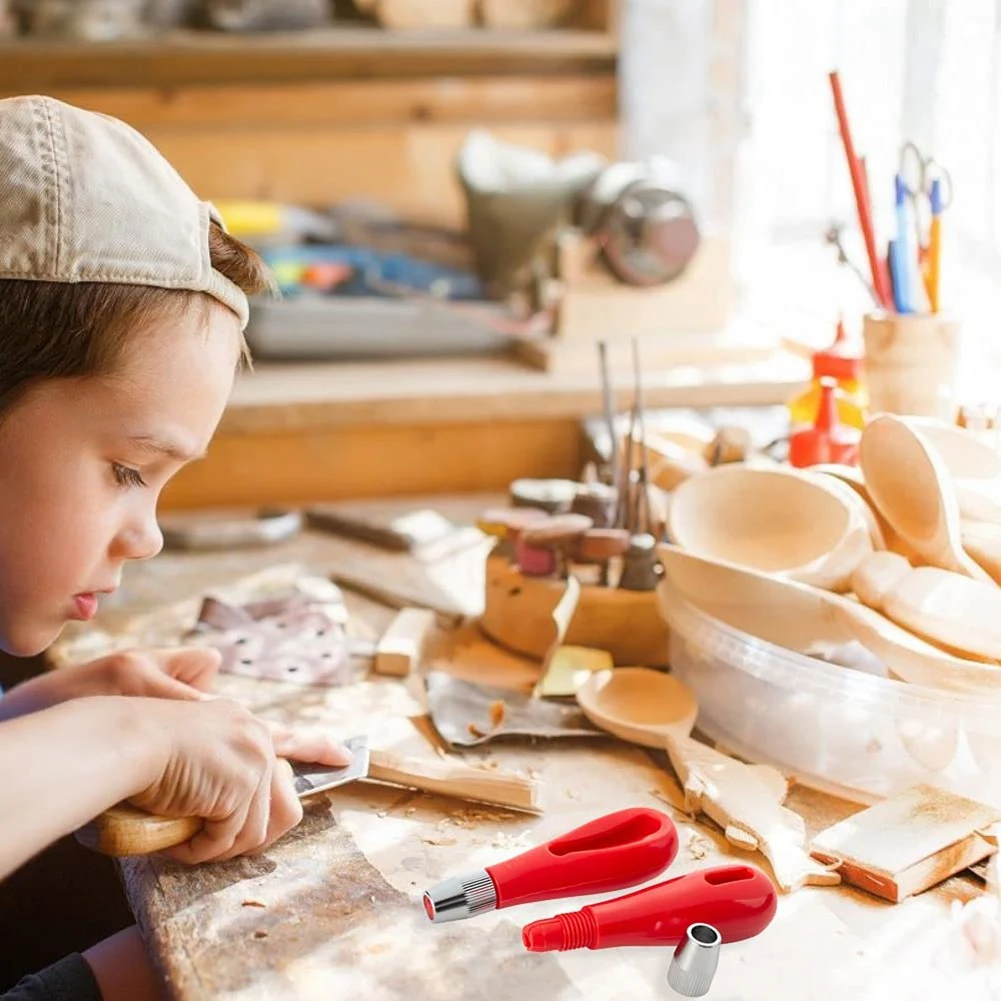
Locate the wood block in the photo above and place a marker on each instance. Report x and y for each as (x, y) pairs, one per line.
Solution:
(568, 668)
(910, 842)
(402, 644)
(453, 778)
(595, 305)
(392, 526)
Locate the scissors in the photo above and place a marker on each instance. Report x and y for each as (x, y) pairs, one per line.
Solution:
(917, 172)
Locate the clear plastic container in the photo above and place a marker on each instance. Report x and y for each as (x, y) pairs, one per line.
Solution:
(845, 731)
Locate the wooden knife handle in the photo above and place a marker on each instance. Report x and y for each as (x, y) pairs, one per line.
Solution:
(127, 830)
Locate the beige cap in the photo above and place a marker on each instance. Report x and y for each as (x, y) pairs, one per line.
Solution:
(86, 198)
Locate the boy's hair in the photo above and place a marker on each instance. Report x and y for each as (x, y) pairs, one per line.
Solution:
(60, 330)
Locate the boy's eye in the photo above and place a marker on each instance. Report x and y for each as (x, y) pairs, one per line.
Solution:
(126, 476)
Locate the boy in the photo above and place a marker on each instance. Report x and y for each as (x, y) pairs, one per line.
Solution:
(122, 308)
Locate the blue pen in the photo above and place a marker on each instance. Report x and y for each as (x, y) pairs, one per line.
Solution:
(893, 262)
(901, 251)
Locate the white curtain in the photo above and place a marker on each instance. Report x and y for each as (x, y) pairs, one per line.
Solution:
(738, 92)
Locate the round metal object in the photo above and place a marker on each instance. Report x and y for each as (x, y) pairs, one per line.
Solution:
(648, 234)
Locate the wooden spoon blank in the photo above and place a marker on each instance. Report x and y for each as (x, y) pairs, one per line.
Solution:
(777, 520)
(638, 704)
(948, 609)
(982, 540)
(796, 616)
(911, 487)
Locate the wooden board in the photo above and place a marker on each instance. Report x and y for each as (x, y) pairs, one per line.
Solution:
(455, 780)
(482, 392)
(908, 843)
(182, 57)
(336, 104)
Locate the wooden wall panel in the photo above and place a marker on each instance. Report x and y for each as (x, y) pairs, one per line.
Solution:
(410, 169)
(339, 103)
(391, 141)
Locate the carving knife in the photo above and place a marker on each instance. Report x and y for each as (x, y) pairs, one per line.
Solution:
(127, 830)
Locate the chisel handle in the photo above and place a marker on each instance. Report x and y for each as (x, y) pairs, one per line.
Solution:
(127, 830)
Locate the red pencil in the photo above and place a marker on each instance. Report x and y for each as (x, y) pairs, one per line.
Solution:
(879, 278)
(883, 262)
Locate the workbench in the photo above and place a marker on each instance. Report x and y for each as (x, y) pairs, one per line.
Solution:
(310, 431)
(334, 909)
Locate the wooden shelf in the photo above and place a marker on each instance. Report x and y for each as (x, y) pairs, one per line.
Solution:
(193, 57)
(311, 396)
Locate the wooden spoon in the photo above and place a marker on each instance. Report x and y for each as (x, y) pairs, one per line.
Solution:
(887, 538)
(643, 706)
(911, 487)
(856, 500)
(652, 708)
(982, 540)
(952, 611)
(797, 616)
(778, 520)
(638, 704)
(975, 467)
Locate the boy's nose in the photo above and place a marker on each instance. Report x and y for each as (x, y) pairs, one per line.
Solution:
(139, 541)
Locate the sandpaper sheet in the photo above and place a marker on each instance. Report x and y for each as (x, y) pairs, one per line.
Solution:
(465, 714)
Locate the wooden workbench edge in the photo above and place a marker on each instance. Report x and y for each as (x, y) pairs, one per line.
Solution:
(301, 397)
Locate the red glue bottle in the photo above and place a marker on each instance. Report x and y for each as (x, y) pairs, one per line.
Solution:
(739, 901)
(828, 440)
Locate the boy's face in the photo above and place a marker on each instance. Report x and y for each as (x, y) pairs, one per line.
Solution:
(82, 464)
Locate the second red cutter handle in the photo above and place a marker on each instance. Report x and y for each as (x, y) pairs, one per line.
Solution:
(616, 851)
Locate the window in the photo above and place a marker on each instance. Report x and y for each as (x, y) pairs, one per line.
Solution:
(926, 70)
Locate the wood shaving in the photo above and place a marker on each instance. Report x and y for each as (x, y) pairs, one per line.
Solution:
(497, 711)
(666, 798)
(510, 842)
(698, 846)
(438, 840)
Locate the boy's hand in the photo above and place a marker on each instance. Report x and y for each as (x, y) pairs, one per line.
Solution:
(221, 763)
(184, 673)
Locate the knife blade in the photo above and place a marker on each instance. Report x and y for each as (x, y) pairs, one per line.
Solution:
(311, 779)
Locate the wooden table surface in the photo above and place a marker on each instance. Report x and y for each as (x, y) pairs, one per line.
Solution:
(334, 911)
